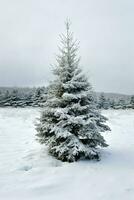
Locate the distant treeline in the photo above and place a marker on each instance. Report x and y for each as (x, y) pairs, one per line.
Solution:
(120, 103)
(20, 97)
(36, 97)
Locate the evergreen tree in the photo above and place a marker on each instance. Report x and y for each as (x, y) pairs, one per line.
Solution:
(28, 99)
(5, 99)
(70, 124)
(14, 98)
(39, 97)
(1, 98)
(108, 103)
(121, 104)
(132, 102)
(103, 102)
(112, 103)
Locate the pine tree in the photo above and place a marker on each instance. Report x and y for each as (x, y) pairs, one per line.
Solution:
(39, 97)
(121, 104)
(112, 103)
(132, 102)
(108, 103)
(1, 98)
(103, 103)
(70, 124)
(14, 98)
(5, 99)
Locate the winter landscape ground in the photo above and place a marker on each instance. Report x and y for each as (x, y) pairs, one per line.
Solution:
(28, 173)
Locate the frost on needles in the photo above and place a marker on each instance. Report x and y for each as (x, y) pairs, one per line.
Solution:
(70, 124)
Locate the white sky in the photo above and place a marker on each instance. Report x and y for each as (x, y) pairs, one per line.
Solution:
(29, 35)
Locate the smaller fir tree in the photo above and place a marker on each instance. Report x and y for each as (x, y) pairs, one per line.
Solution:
(103, 103)
(112, 103)
(6, 99)
(132, 102)
(14, 98)
(39, 97)
(121, 104)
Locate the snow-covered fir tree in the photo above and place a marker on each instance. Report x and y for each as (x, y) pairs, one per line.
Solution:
(70, 124)
(108, 103)
(121, 104)
(132, 102)
(103, 103)
(14, 98)
(5, 99)
(1, 98)
(39, 98)
(112, 103)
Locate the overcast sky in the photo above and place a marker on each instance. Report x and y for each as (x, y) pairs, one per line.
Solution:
(29, 35)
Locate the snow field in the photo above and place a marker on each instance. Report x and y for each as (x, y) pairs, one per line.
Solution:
(27, 172)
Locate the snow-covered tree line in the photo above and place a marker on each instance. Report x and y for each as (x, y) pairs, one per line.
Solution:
(70, 123)
(17, 98)
(109, 103)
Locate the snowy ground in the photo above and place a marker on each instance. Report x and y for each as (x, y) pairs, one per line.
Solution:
(28, 173)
